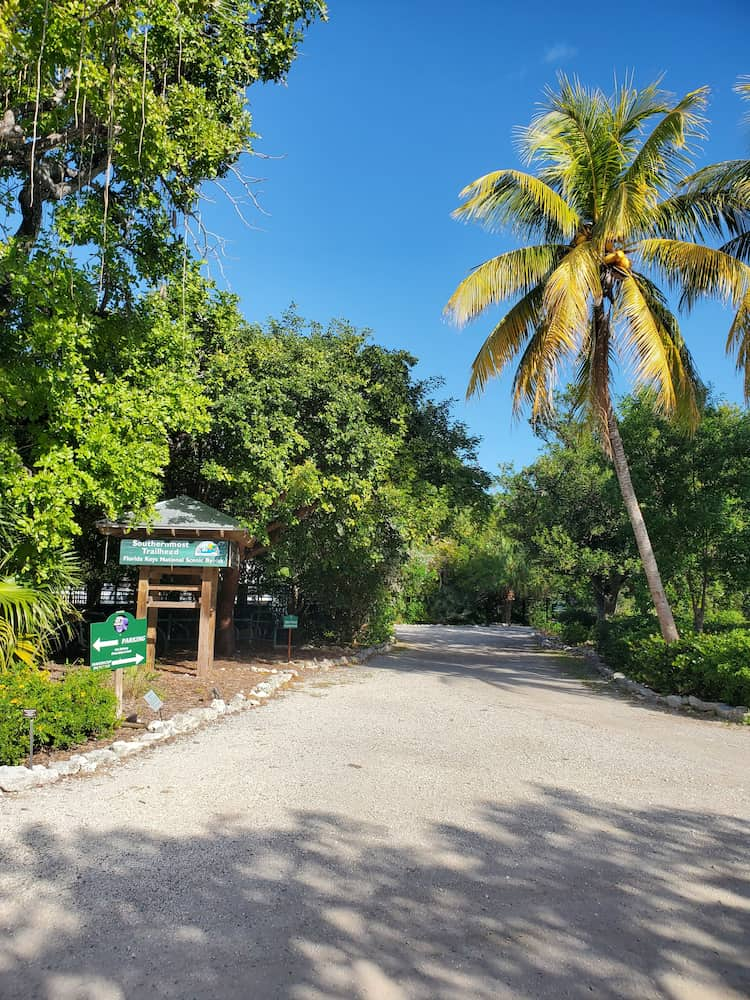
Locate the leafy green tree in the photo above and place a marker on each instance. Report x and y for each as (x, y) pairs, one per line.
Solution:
(116, 113)
(323, 441)
(114, 116)
(696, 491)
(472, 574)
(565, 510)
(603, 208)
(89, 402)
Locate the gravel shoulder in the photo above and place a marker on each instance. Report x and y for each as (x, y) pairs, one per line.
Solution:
(469, 816)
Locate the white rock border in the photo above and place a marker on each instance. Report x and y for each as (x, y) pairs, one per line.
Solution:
(678, 702)
(21, 779)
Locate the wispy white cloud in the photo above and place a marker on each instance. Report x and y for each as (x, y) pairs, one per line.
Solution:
(559, 52)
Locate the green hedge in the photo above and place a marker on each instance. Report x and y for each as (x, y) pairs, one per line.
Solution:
(713, 667)
(68, 711)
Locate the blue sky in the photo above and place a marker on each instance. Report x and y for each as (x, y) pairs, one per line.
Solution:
(391, 109)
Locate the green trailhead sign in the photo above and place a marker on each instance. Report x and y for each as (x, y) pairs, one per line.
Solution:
(173, 552)
(118, 642)
(291, 621)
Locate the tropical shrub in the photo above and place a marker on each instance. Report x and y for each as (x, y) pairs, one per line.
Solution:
(714, 667)
(68, 711)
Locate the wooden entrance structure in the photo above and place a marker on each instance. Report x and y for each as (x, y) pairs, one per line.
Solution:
(160, 583)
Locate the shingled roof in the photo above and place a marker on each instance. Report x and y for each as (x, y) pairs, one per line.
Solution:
(179, 517)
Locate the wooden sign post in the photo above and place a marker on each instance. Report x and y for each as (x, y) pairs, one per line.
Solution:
(290, 622)
(179, 554)
(117, 643)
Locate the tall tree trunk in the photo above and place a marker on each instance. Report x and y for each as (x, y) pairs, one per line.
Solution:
(225, 641)
(663, 611)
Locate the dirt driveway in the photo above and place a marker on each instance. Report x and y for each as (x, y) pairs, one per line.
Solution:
(468, 817)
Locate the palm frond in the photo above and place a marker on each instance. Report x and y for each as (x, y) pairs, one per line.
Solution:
(568, 293)
(689, 389)
(663, 157)
(535, 377)
(632, 108)
(565, 316)
(698, 214)
(742, 87)
(739, 247)
(697, 270)
(643, 345)
(519, 201)
(573, 144)
(657, 167)
(738, 343)
(506, 340)
(500, 278)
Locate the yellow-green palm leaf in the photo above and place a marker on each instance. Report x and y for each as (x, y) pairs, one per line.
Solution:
(699, 271)
(521, 201)
(502, 277)
(506, 340)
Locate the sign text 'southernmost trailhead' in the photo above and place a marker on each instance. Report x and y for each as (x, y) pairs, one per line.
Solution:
(173, 552)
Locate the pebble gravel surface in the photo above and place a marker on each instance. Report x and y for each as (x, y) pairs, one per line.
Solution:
(470, 816)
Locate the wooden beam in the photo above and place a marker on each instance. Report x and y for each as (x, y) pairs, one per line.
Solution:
(191, 588)
(207, 621)
(142, 601)
(172, 604)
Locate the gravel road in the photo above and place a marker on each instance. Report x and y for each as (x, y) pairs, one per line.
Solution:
(468, 817)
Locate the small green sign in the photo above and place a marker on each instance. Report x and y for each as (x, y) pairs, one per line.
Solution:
(291, 621)
(118, 642)
(173, 552)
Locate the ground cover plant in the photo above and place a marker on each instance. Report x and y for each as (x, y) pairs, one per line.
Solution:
(69, 711)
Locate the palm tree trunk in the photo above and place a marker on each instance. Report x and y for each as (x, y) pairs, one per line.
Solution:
(663, 611)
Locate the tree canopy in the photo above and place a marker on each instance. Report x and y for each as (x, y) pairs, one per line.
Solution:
(116, 113)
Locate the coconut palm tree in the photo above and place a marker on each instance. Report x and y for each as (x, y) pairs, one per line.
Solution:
(601, 216)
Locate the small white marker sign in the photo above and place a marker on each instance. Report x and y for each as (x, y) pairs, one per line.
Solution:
(153, 700)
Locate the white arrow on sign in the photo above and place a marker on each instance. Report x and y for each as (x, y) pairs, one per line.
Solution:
(132, 659)
(101, 643)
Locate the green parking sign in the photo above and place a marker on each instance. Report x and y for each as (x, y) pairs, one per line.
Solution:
(118, 642)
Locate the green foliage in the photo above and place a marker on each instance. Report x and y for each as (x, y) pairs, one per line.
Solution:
(115, 115)
(126, 108)
(89, 402)
(68, 711)
(31, 616)
(323, 441)
(695, 491)
(464, 577)
(566, 512)
(711, 667)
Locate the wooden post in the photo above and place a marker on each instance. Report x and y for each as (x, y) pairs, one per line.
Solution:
(142, 601)
(151, 618)
(207, 622)
(118, 691)
(143, 610)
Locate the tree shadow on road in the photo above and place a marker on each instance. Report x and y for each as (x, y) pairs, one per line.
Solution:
(501, 657)
(507, 658)
(554, 896)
